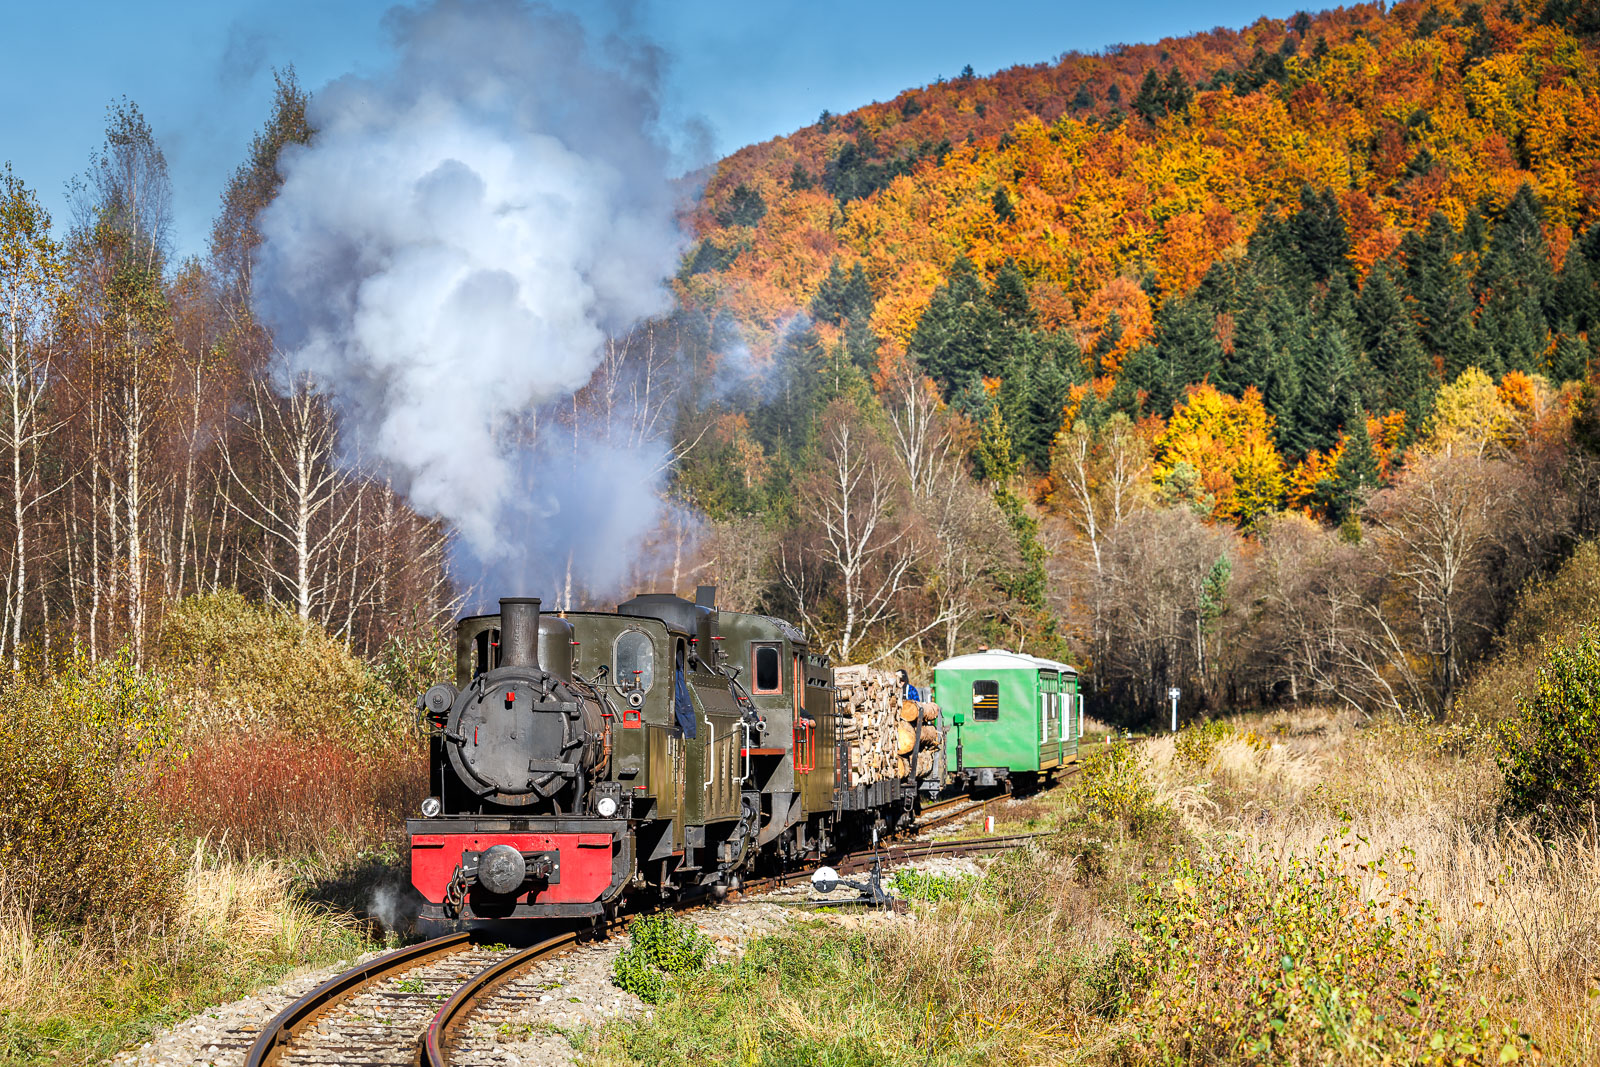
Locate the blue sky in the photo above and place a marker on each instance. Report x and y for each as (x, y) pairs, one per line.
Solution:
(201, 69)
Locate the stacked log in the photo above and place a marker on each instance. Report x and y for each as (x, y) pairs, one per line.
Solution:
(882, 728)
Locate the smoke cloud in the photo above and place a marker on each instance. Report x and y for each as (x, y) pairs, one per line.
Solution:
(448, 255)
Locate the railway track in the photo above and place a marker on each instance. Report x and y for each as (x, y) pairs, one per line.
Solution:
(962, 806)
(411, 1007)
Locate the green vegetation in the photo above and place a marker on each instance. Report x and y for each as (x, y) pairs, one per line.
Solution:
(932, 888)
(1550, 752)
(663, 950)
(1116, 790)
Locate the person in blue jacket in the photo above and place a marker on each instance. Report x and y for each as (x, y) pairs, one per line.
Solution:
(908, 690)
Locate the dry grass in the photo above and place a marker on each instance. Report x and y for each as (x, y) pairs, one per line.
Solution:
(1527, 908)
(1043, 962)
(74, 995)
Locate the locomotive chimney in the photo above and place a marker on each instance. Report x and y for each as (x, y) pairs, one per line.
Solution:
(519, 631)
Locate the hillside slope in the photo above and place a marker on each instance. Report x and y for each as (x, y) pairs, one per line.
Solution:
(1114, 181)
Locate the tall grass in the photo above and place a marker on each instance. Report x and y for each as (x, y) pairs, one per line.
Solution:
(75, 994)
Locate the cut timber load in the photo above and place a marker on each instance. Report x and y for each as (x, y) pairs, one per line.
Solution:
(882, 728)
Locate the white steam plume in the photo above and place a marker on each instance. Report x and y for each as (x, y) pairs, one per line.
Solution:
(448, 254)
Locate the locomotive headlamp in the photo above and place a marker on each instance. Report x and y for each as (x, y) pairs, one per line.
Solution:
(431, 807)
(606, 806)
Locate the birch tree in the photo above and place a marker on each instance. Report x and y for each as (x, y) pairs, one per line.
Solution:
(32, 279)
(294, 492)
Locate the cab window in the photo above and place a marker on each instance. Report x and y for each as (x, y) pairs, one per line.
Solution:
(633, 658)
(985, 700)
(767, 674)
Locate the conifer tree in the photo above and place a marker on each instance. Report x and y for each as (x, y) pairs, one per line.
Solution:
(1253, 350)
(1355, 472)
(1441, 296)
(1010, 297)
(1514, 283)
(1575, 298)
(1047, 396)
(1186, 341)
(1148, 102)
(961, 335)
(1144, 385)
(1321, 242)
(1571, 357)
(1328, 390)
(1404, 373)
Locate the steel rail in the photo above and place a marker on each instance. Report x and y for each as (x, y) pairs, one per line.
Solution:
(269, 1044)
(454, 1011)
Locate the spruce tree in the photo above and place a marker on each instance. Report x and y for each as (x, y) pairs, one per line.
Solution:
(785, 423)
(1575, 297)
(1570, 358)
(1515, 281)
(846, 300)
(1186, 341)
(1254, 347)
(1010, 297)
(1149, 103)
(1405, 379)
(1046, 399)
(1327, 392)
(1355, 472)
(1321, 242)
(961, 335)
(1441, 296)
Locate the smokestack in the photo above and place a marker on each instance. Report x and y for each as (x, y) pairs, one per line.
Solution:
(519, 631)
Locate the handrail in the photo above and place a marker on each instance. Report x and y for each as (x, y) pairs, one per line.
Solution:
(711, 745)
(745, 775)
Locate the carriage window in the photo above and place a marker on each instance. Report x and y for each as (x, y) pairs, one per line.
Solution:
(633, 653)
(985, 701)
(768, 676)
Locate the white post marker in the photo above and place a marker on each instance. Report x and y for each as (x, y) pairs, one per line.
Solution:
(1173, 694)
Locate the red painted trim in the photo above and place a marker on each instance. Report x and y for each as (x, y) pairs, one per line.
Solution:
(585, 863)
(760, 752)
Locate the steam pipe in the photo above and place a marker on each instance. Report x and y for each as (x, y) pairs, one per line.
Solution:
(519, 631)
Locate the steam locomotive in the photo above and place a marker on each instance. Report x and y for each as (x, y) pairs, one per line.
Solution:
(665, 746)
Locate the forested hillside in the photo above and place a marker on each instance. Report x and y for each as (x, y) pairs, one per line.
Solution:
(1260, 291)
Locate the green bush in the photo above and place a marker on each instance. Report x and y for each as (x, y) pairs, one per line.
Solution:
(78, 838)
(1114, 788)
(1550, 753)
(921, 885)
(237, 663)
(661, 947)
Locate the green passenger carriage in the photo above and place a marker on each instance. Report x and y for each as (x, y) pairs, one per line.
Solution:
(1015, 719)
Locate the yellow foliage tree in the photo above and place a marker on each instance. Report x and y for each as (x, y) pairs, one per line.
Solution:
(1227, 442)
